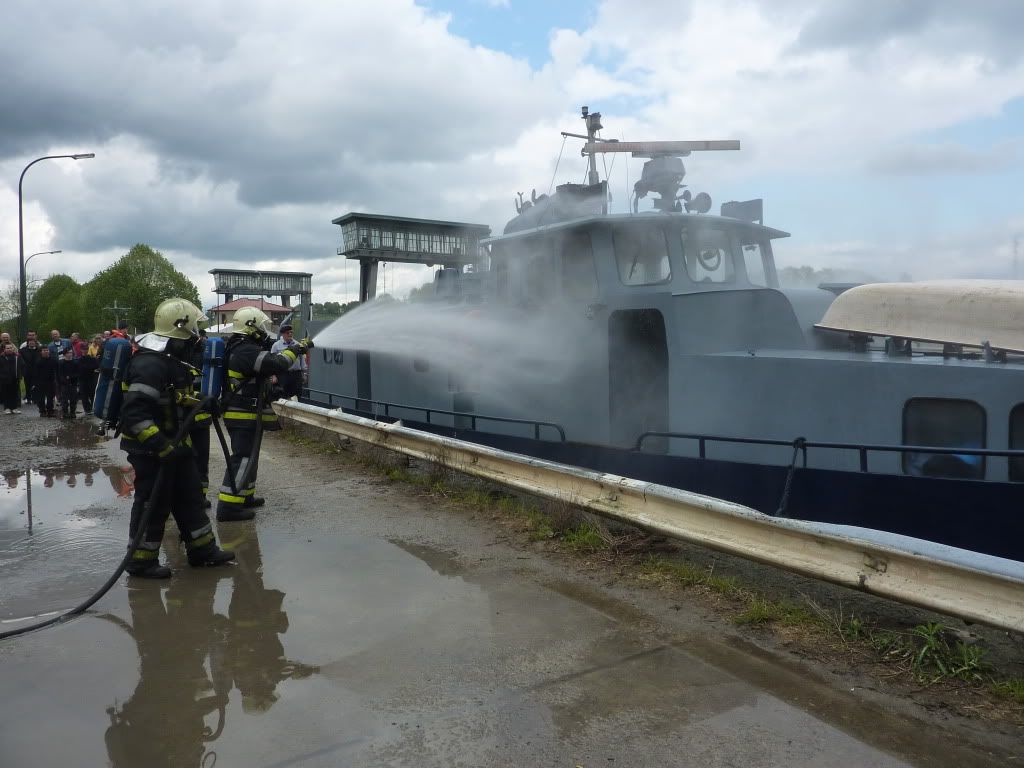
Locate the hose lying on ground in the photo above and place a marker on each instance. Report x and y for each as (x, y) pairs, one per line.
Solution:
(136, 540)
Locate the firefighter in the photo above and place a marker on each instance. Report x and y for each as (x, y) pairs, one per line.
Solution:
(157, 391)
(249, 364)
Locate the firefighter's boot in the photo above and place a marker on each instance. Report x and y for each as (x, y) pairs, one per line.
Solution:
(233, 514)
(209, 554)
(147, 569)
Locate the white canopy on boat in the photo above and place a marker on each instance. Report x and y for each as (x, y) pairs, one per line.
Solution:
(968, 312)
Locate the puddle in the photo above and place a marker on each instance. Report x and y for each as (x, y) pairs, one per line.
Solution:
(51, 535)
(71, 433)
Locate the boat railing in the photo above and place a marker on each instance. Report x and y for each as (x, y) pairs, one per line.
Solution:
(801, 444)
(387, 407)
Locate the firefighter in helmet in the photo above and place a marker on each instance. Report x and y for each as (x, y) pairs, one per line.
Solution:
(157, 390)
(249, 364)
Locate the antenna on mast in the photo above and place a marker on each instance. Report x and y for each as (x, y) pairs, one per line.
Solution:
(662, 173)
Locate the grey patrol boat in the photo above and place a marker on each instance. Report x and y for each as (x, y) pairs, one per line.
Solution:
(895, 407)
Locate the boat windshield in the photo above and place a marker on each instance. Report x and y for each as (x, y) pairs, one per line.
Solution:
(708, 256)
(753, 261)
(642, 254)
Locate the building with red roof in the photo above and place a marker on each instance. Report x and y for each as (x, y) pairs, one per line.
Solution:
(223, 314)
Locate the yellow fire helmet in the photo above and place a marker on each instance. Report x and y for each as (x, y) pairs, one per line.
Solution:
(178, 319)
(249, 321)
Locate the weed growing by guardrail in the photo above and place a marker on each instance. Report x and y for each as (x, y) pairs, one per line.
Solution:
(926, 652)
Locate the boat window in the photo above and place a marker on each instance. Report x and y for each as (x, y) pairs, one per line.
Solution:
(753, 261)
(708, 256)
(642, 255)
(943, 423)
(1017, 443)
(579, 274)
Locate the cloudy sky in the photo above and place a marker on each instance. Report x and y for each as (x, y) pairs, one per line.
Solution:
(886, 135)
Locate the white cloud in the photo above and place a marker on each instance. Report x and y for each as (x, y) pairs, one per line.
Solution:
(232, 133)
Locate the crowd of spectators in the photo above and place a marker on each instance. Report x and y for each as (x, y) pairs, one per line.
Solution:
(60, 373)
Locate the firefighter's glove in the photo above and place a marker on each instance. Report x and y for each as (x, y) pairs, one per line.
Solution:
(186, 399)
(305, 345)
(172, 450)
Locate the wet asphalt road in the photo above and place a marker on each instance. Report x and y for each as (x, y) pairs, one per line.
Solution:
(362, 626)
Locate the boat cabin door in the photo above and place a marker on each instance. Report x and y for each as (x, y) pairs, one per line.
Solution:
(364, 383)
(637, 377)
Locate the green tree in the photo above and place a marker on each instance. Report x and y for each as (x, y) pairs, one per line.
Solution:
(57, 304)
(330, 309)
(10, 307)
(140, 280)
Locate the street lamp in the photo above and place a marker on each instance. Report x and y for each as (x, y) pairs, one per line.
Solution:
(41, 253)
(23, 320)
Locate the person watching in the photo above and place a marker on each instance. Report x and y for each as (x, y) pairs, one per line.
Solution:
(292, 379)
(10, 380)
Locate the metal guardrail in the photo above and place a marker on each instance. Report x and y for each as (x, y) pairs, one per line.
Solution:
(428, 411)
(993, 594)
(802, 445)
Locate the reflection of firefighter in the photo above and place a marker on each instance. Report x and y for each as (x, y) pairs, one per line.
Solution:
(178, 708)
(163, 723)
(253, 652)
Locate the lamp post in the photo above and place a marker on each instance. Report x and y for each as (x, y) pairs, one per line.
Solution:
(41, 253)
(23, 319)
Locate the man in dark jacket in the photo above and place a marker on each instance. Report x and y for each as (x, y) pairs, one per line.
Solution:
(249, 364)
(67, 381)
(157, 387)
(10, 380)
(30, 352)
(44, 382)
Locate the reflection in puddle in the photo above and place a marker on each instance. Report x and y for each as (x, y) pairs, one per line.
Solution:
(69, 486)
(73, 433)
(47, 538)
(192, 657)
